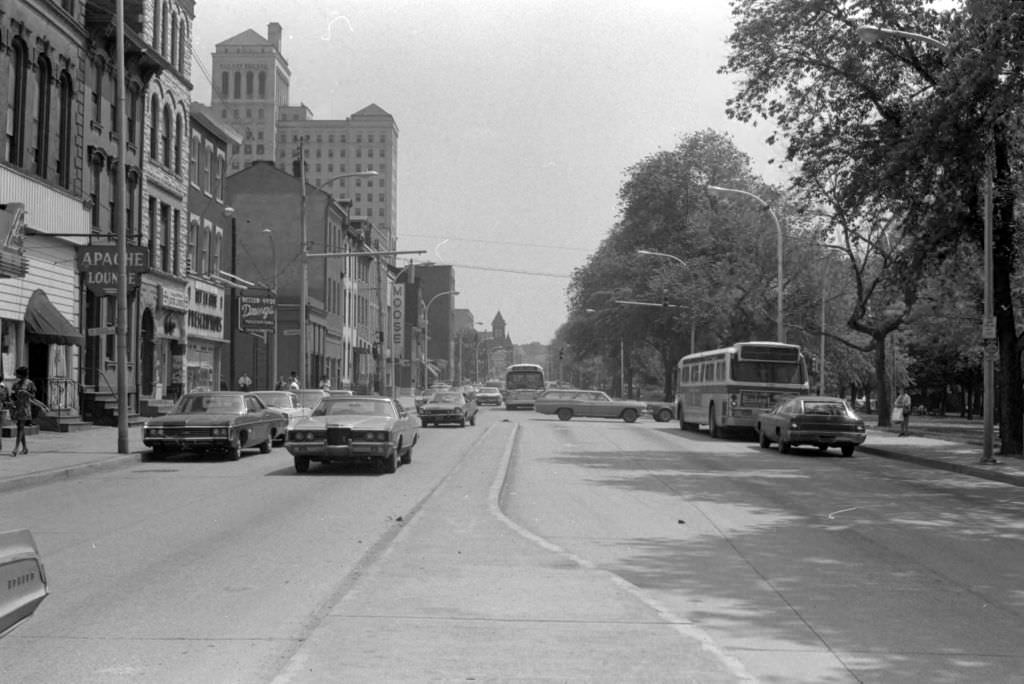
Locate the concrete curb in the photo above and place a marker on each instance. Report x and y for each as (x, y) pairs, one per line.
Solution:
(989, 472)
(69, 472)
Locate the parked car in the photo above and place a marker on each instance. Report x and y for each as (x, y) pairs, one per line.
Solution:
(354, 429)
(578, 403)
(449, 407)
(488, 396)
(23, 586)
(811, 420)
(287, 403)
(661, 411)
(215, 422)
(309, 398)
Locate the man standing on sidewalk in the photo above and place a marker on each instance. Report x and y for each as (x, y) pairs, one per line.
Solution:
(904, 404)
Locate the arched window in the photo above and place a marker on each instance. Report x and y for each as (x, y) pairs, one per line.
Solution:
(174, 40)
(43, 74)
(64, 136)
(225, 85)
(157, 13)
(178, 132)
(193, 247)
(182, 46)
(165, 137)
(17, 102)
(163, 29)
(154, 129)
(248, 84)
(262, 79)
(238, 85)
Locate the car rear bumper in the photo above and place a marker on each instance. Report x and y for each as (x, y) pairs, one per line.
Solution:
(797, 438)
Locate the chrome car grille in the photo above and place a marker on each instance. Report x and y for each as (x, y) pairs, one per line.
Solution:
(185, 432)
(339, 435)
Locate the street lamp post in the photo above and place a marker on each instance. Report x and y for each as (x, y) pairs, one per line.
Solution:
(780, 329)
(693, 327)
(304, 284)
(426, 331)
(871, 34)
(273, 347)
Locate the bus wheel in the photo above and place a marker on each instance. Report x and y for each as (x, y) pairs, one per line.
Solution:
(713, 429)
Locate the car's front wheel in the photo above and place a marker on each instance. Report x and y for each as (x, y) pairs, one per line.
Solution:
(784, 446)
(389, 464)
(629, 415)
(407, 456)
(301, 464)
(564, 414)
(762, 439)
(266, 446)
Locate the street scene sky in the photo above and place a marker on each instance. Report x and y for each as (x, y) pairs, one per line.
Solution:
(517, 120)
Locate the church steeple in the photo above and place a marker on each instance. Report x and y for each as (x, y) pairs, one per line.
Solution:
(498, 327)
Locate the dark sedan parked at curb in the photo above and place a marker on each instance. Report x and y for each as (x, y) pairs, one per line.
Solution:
(216, 422)
(354, 429)
(577, 403)
(811, 420)
(449, 407)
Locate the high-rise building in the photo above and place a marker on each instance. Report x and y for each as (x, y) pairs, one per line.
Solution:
(251, 81)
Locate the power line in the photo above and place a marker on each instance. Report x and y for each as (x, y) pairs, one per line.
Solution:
(510, 270)
(494, 242)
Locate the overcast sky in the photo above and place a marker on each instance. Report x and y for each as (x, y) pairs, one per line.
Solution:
(517, 119)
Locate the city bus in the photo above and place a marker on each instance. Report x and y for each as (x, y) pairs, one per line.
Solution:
(523, 382)
(729, 387)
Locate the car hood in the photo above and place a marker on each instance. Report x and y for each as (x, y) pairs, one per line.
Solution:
(353, 422)
(192, 419)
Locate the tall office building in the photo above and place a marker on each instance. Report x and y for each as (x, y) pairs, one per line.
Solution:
(251, 81)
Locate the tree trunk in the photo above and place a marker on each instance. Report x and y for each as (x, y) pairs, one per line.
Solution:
(884, 417)
(1003, 263)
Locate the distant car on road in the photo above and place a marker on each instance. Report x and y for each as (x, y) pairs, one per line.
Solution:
(812, 420)
(577, 403)
(354, 429)
(309, 398)
(488, 396)
(286, 402)
(215, 422)
(449, 407)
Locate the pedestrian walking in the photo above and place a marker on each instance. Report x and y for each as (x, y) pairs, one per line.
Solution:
(325, 383)
(901, 411)
(23, 391)
(293, 382)
(244, 382)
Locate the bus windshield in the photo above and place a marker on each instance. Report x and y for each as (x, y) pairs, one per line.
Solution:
(524, 380)
(762, 371)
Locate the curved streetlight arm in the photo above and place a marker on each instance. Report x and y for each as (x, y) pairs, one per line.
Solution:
(426, 330)
(648, 252)
(780, 331)
(871, 34)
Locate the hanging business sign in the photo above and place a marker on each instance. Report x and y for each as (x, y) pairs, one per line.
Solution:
(256, 308)
(398, 321)
(98, 265)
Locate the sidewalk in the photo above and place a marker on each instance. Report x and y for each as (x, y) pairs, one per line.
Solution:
(63, 455)
(948, 443)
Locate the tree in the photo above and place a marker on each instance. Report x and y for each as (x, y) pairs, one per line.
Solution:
(897, 125)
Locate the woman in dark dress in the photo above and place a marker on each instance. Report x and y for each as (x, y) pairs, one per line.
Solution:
(23, 391)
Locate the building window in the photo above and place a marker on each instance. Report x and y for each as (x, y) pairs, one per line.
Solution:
(238, 88)
(262, 84)
(248, 84)
(165, 137)
(225, 88)
(67, 97)
(133, 114)
(193, 161)
(178, 132)
(154, 129)
(165, 238)
(42, 116)
(17, 104)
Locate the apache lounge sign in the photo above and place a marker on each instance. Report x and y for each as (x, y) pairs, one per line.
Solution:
(98, 264)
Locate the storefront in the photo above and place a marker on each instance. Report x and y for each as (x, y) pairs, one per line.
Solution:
(205, 329)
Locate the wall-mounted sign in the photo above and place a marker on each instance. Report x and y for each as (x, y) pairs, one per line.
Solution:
(256, 309)
(98, 265)
(398, 321)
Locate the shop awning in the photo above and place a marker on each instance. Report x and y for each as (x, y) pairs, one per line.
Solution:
(45, 324)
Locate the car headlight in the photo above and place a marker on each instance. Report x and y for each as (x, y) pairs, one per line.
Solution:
(220, 432)
(154, 431)
(306, 436)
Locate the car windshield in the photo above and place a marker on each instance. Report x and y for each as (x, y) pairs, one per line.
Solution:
(278, 399)
(446, 398)
(211, 403)
(310, 398)
(825, 408)
(354, 407)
